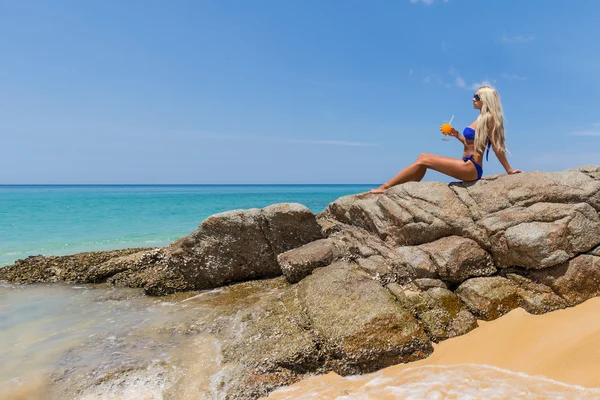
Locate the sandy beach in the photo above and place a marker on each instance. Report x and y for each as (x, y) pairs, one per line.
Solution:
(554, 354)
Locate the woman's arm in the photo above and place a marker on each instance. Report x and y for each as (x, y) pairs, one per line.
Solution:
(499, 152)
(459, 136)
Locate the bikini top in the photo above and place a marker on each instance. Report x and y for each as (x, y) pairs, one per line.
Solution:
(469, 134)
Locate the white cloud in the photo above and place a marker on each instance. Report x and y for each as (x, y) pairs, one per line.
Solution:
(594, 131)
(427, 79)
(514, 77)
(462, 84)
(410, 72)
(517, 39)
(477, 85)
(428, 2)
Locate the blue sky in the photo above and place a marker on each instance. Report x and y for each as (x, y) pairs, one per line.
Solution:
(295, 91)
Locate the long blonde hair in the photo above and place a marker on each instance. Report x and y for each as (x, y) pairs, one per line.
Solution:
(490, 110)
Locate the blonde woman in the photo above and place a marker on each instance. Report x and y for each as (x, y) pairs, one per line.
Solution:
(485, 132)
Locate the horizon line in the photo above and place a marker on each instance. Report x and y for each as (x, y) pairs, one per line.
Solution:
(184, 184)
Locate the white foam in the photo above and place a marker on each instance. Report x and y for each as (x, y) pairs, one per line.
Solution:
(461, 382)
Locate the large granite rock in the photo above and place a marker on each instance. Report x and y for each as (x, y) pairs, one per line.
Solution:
(239, 245)
(363, 328)
(541, 235)
(409, 214)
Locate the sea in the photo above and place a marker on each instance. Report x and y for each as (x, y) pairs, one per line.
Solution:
(67, 219)
(61, 341)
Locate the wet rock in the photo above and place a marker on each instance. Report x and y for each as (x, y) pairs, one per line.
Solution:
(127, 264)
(438, 309)
(362, 327)
(274, 347)
(69, 269)
(491, 297)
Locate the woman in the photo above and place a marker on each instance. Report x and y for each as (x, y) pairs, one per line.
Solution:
(486, 131)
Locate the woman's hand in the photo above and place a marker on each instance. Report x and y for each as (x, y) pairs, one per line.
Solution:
(514, 171)
(454, 133)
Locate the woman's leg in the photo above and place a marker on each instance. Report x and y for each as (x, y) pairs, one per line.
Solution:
(453, 167)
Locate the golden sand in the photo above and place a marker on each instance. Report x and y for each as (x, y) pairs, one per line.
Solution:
(559, 352)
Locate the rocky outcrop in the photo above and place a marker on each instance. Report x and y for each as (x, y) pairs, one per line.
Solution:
(229, 247)
(70, 269)
(374, 279)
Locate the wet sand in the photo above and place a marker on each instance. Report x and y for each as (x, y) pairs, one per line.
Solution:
(555, 354)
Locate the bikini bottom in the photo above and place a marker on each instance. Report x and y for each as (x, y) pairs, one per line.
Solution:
(477, 166)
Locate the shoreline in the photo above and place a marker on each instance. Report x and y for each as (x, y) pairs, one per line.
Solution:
(559, 347)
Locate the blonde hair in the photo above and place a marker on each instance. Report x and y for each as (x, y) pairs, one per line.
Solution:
(491, 110)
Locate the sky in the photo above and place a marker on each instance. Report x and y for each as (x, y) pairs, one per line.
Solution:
(294, 91)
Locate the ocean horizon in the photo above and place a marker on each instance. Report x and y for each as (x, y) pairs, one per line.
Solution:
(61, 219)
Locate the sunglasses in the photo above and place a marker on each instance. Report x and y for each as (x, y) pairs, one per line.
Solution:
(476, 97)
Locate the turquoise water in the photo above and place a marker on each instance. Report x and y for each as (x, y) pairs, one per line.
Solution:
(66, 219)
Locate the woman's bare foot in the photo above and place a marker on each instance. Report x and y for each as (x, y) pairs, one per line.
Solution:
(381, 189)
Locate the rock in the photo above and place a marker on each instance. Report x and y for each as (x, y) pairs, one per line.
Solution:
(69, 269)
(494, 194)
(275, 348)
(542, 235)
(491, 297)
(118, 265)
(575, 281)
(418, 260)
(298, 263)
(457, 259)
(408, 214)
(238, 245)
(428, 283)
(595, 251)
(439, 311)
(362, 327)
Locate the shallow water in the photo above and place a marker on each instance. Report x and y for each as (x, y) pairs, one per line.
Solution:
(60, 340)
(94, 342)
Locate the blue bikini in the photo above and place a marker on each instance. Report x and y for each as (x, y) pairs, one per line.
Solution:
(469, 134)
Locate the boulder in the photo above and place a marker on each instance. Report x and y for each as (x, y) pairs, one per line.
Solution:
(575, 281)
(457, 259)
(491, 297)
(408, 214)
(542, 235)
(361, 325)
(502, 192)
(438, 309)
(238, 245)
(296, 264)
